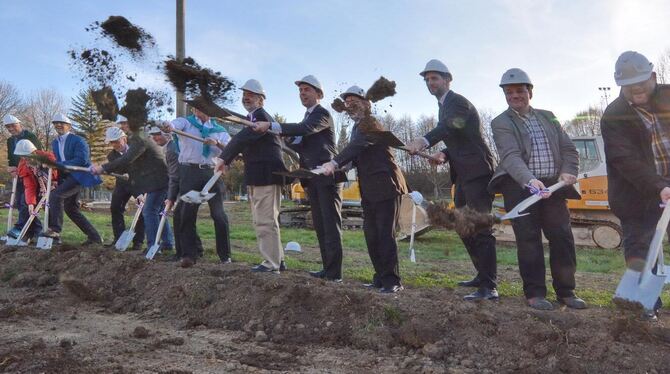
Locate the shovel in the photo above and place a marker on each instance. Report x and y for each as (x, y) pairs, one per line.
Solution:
(157, 242)
(11, 208)
(199, 197)
(24, 230)
(412, 255)
(300, 173)
(45, 242)
(127, 236)
(389, 139)
(644, 287)
(516, 212)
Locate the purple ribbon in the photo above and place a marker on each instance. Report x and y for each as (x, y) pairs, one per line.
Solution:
(536, 191)
(162, 213)
(8, 205)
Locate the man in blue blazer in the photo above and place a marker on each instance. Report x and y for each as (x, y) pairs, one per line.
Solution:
(70, 150)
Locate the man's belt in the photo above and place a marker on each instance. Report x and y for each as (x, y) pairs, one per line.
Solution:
(199, 166)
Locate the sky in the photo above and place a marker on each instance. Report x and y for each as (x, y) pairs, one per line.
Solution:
(567, 47)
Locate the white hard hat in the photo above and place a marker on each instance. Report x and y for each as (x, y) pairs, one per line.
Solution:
(60, 117)
(312, 81)
(253, 86)
(631, 68)
(10, 120)
(435, 65)
(113, 133)
(24, 147)
(154, 130)
(121, 118)
(515, 76)
(353, 91)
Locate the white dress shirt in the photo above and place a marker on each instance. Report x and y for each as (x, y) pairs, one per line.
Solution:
(190, 151)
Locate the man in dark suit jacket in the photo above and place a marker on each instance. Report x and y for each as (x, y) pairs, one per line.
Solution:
(381, 184)
(122, 190)
(314, 140)
(70, 149)
(262, 157)
(471, 166)
(636, 148)
(536, 152)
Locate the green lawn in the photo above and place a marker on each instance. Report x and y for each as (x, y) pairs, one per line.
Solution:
(441, 258)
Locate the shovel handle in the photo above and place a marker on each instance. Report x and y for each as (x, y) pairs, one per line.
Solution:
(210, 183)
(422, 154)
(11, 203)
(47, 194)
(193, 137)
(137, 213)
(656, 245)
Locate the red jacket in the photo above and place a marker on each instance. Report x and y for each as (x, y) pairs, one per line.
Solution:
(30, 183)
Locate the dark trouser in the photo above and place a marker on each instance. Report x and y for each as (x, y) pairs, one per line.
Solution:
(120, 197)
(64, 198)
(637, 235)
(326, 205)
(482, 245)
(20, 205)
(176, 226)
(194, 178)
(552, 217)
(379, 223)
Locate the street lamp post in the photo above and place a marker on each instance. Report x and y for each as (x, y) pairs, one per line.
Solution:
(181, 53)
(605, 94)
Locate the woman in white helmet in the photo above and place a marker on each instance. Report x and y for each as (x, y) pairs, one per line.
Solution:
(34, 178)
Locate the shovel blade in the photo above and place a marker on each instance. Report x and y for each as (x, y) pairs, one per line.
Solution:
(196, 197)
(15, 242)
(645, 293)
(44, 242)
(152, 251)
(124, 240)
(513, 215)
(4, 238)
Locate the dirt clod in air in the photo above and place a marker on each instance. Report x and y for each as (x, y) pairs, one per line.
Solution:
(465, 221)
(125, 34)
(97, 65)
(338, 105)
(136, 108)
(194, 80)
(105, 103)
(381, 89)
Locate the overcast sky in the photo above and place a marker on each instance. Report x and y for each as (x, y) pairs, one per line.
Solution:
(567, 47)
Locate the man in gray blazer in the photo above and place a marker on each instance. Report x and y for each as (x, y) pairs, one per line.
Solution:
(535, 152)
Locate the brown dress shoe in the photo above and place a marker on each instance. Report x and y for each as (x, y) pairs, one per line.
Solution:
(572, 302)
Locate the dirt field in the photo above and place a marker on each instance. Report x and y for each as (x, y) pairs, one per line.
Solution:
(98, 311)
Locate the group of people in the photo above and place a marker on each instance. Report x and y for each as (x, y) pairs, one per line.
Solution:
(534, 153)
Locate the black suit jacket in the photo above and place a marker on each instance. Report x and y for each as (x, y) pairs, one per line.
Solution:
(459, 127)
(145, 164)
(111, 156)
(379, 176)
(318, 143)
(261, 153)
(634, 184)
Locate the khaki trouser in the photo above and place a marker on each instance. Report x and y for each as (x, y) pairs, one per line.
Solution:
(265, 202)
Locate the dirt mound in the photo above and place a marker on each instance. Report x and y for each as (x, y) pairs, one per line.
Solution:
(125, 34)
(194, 80)
(427, 330)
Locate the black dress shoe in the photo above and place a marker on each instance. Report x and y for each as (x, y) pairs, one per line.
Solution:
(482, 293)
(474, 282)
(264, 269)
(282, 266)
(392, 289)
(318, 274)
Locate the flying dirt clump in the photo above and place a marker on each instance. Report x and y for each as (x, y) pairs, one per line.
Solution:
(338, 105)
(381, 89)
(136, 108)
(98, 66)
(105, 103)
(465, 221)
(194, 80)
(124, 33)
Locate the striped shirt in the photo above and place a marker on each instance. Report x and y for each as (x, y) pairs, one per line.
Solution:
(660, 140)
(541, 162)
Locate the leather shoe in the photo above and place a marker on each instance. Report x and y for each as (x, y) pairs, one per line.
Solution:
(318, 274)
(482, 293)
(282, 266)
(186, 262)
(392, 289)
(372, 285)
(540, 303)
(474, 282)
(572, 302)
(226, 260)
(264, 269)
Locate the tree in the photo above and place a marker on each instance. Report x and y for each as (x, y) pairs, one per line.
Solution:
(342, 123)
(89, 124)
(486, 116)
(663, 67)
(585, 123)
(10, 99)
(41, 107)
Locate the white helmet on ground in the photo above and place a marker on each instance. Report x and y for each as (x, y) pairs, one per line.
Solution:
(60, 117)
(632, 68)
(515, 76)
(436, 66)
(354, 91)
(121, 118)
(24, 147)
(113, 133)
(312, 81)
(253, 86)
(10, 120)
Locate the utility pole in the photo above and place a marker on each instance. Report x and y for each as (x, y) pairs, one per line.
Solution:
(181, 52)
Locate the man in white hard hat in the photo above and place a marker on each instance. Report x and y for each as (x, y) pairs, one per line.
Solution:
(637, 149)
(122, 190)
(471, 166)
(122, 122)
(535, 152)
(262, 157)
(70, 149)
(314, 140)
(17, 133)
(381, 184)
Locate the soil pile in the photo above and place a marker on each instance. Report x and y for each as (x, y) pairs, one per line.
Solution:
(194, 80)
